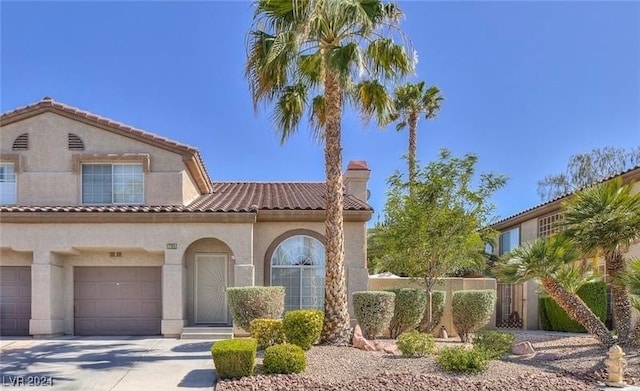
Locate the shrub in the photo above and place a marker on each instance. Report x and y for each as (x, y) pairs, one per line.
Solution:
(472, 309)
(494, 343)
(460, 359)
(545, 322)
(408, 310)
(303, 327)
(374, 310)
(594, 296)
(234, 358)
(267, 332)
(415, 344)
(284, 358)
(255, 302)
(437, 310)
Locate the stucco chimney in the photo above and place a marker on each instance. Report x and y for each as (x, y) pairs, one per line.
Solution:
(356, 178)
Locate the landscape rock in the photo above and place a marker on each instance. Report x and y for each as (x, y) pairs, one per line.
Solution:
(360, 342)
(523, 348)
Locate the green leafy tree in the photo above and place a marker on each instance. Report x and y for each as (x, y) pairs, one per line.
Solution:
(437, 227)
(544, 260)
(585, 169)
(606, 219)
(310, 58)
(411, 100)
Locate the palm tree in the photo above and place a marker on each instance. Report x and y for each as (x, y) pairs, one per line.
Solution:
(544, 260)
(631, 279)
(606, 218)
(410, 101)
(317, 55)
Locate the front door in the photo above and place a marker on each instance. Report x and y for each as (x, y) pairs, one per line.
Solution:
(210, 290)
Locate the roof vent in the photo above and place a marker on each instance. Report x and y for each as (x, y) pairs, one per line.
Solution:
(75, 142)
(47, 98)
(21, 142)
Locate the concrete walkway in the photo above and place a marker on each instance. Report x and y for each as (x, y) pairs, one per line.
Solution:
(105, 364)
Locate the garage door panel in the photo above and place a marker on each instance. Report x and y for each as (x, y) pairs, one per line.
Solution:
(15, 300)
(121, 301)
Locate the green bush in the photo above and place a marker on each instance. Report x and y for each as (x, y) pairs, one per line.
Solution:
(374, 310)
(284, 358)
(545, 322)
(472, 309)
(234, 358)
(267, 332)
(437, 310)
(255, 302)
(415, 344)
(495, 343)
(408, 310)
(303, 327)
(460, 359)
(594, 296)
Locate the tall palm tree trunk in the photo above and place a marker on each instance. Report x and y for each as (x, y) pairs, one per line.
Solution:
(577, 310)
(336, 329)
(635, 335)
(619, 296)
(412, 121)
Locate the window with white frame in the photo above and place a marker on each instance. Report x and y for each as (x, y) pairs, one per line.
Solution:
(298, 264)
(112, 184)
(8, 193)
(509, 240)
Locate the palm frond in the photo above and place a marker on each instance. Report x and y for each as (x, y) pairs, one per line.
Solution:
(605, 216)
(289, 109)
(388, 59)
(374, 100)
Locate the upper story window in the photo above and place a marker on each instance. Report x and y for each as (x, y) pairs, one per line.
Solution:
(509, 240)
(7, 184)
(549, 225)
(112, 184)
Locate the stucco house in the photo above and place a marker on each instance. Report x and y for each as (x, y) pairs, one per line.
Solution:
(110, 230)
(528, 225)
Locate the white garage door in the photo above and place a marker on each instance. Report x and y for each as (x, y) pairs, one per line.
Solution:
(117, 300)
(15, 300)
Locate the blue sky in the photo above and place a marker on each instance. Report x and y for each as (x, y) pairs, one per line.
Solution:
(527, 84)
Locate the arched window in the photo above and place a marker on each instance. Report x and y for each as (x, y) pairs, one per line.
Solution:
(298, 265)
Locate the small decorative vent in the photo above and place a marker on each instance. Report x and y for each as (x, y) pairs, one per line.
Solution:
(75, 142)
(115, 254)
(21, 142)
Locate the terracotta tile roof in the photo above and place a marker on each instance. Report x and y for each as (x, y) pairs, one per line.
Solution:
(246, 196)
(630, 172)
(48, 104)
(227, 197)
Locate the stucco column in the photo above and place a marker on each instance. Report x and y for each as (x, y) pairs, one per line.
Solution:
(243, 269)
(172, 294)
(47, 296)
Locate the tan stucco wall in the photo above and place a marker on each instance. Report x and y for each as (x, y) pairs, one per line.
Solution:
(449, 285)
(57, 248)
(48, 164)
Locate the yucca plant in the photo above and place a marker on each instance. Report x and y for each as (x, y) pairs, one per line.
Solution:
(543, 260)
(606, 219)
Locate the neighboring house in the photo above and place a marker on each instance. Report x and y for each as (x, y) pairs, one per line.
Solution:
(110, 230)
(533, 223)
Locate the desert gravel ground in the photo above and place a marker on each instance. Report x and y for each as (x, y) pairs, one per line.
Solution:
(562, 362)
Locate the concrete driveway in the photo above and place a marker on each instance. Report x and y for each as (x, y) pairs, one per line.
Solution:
(106, 363)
